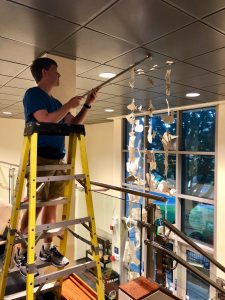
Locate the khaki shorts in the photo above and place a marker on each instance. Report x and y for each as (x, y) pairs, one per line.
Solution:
(53, 189)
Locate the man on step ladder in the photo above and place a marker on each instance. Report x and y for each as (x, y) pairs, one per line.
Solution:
(41, 106)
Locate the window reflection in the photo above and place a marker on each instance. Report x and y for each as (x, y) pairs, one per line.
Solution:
(160, 128)
(198, 130)
(139, 140)
(198, 176)
(197, 220)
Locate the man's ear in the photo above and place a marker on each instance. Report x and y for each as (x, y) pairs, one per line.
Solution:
(43, 72)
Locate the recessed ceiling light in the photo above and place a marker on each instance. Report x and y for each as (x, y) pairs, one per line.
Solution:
(192, 95)
(109, 110)
(107, 75)
(169, 62)
(7, 113)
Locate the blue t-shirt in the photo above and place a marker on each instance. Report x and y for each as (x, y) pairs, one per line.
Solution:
(36, 99)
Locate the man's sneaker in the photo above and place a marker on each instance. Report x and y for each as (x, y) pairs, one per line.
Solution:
(21, 262)
(54, 256)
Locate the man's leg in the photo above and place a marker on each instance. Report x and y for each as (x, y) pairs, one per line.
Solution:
(24, 225)
(49, 216)
(48, 251)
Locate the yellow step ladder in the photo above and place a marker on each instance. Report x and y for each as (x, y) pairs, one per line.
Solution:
(76, 134)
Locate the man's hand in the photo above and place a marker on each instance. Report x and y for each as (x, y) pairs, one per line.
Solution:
(92, 96)
(75, 101)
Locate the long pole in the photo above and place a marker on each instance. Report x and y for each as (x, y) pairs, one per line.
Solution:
(119, 74)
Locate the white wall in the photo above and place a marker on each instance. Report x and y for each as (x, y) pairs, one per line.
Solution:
(11, 139)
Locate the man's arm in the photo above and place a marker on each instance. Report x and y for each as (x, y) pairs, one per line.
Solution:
(56, 116)
(82, 115)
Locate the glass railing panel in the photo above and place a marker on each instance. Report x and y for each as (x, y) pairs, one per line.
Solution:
(186, 280)
(8, 175)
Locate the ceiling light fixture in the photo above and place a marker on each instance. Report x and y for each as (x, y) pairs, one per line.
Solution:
(107, 75)
(192, 95)
(7, 113)
(169, 62)
(109, 110)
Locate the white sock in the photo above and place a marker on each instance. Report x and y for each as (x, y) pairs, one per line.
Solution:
(47, 246)
(22, 251)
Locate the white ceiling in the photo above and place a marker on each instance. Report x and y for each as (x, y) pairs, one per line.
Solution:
(104, 35)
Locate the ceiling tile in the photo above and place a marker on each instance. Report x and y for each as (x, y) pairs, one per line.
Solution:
(114, 89)
(26, 74)
(9, 69)
(18, 52)
(136, 55)
(94, 73)
(7, 102)
(138, 21)
(73, 10)
(93, 46)
(142, 95)
(143, 82)
(12, 91)
(179, 70)
(217, 20)
(211, 61)
(9, 97)
(189, 41)
(221, 72)
(207, 79)
(197, 8)
(34, 28)
(21, 83)
(86, 83)
(4, 79)
(83, 65)
(218, 88)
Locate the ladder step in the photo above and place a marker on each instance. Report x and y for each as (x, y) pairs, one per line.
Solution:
(47, 287)
(57, 201)
(50, 233)
(51, 167)
(65, 272)
(55, 178)
(39, 263)
(62, 224)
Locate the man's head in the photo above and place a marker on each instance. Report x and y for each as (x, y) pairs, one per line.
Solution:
(45, 68)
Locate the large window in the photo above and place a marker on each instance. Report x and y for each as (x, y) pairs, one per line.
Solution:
(183, 172)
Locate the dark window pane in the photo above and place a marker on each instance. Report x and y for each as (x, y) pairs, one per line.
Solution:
(197, 288)
(197, 220)
(139, 140)
(198, 130)
(198, 176)
(160, 128)
(160, 169)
